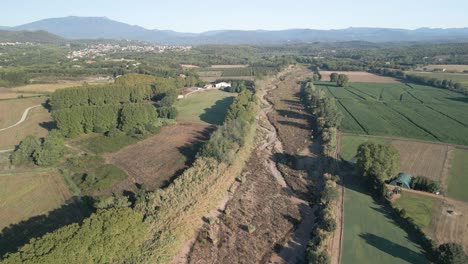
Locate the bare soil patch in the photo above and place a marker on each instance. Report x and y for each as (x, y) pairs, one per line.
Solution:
(156, 160)
(449, 222)
(360, 77)
(189, 66)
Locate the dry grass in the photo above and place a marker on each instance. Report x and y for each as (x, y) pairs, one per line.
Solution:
(449, 227)
(12, 110)
(189, 66)
(154, 161)
(51, 87)
(360, 77)
(36, 123)
(423, 159)
(8, 95)
(23, 195)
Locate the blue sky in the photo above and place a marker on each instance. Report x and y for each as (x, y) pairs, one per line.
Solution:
(203, 15)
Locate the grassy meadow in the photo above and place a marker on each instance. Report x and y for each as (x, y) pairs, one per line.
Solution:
(209, 107)
(418, 207)
(370, 234)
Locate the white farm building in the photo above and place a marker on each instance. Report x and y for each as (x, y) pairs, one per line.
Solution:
(223, 85)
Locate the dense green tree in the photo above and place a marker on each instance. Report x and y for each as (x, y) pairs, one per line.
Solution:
(108, 236)
(451, 253)
(342, 80)
(52, 150)
(334, 77)
(379, 161)
(136, 116)
(25, 151)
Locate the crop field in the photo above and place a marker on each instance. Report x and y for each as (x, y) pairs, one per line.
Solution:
(208, 106)
(37, 123)
(458, 178)
(369, 232)
(359, 77)
(28, 194)
(416, 158)
(402, 110)
(157, 159)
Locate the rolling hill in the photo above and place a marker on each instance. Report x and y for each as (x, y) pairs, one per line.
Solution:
(29, 36)
(105, 28)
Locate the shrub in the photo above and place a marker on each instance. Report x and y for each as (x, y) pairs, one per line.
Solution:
(451, 253)
(423, 183)
(25, 151)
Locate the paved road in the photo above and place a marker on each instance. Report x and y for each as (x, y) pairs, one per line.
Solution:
(23, 118)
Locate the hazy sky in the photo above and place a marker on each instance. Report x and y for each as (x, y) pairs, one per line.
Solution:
(203, 15)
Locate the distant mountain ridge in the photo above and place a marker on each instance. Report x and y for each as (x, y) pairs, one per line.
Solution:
(105, 28)
(29, 36)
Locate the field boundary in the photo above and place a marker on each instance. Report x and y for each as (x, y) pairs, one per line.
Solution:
(354, 118)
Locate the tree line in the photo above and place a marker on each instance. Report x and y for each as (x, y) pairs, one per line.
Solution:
(327, 115)
(423, 80)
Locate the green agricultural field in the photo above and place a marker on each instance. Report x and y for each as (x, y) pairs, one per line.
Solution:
(458, 179)
(370, 234)
(402, 110)
(210, 107)
(418, 207)
(349, 145)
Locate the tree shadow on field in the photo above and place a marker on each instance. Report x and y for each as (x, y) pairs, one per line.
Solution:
(392, 248)
(460, 99)
(14, 236)
(216, 113)
(49, 125)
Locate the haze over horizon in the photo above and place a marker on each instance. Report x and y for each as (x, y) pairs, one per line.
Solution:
(188, 16)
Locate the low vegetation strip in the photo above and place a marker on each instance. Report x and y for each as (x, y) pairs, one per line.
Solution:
(458, 181)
